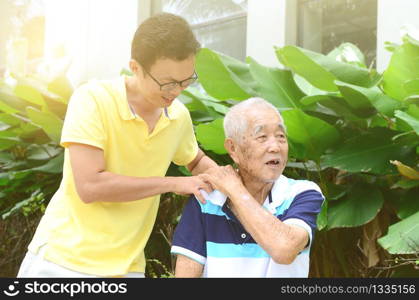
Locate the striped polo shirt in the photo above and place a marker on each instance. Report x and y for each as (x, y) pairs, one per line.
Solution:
(211, 235)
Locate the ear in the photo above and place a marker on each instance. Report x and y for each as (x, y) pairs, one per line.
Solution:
(134, 66)
(232, 149)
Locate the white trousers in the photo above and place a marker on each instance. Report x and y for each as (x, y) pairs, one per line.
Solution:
(34, 265)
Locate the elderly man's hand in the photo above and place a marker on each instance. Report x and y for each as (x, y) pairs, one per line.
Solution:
(224, 178)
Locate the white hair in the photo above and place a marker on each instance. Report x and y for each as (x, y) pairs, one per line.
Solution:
(235, 122)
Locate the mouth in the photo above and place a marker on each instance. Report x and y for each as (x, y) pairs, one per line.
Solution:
(273, 163)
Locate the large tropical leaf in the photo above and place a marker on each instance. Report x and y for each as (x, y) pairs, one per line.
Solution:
(9, 103)
(224, 77)
(30, 94)
(313, 133)
(195, 100)
(322, 216)
(359, 98)
(321, 71)
(408, 204)
(409, 119)
(54, 165)
(7, 142)
(358, 207)
(402, 237)
(370, 152)
(348, 53)
(402, 69)
(275, 85)
(310, 90)
(49, 122)
(211, 136)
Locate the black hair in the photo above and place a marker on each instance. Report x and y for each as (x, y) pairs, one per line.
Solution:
(163, 35)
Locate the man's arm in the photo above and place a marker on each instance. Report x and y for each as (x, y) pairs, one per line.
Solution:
(187, 267)
(201, 163)
(94, 183)
(281, 241)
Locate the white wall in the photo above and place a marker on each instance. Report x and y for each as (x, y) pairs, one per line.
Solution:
(97, 35)
(270, 23)
(392, 15)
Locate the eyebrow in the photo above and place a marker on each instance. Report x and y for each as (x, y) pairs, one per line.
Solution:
(258, 129)
(261, 127)
(281, 126)
(174, 80)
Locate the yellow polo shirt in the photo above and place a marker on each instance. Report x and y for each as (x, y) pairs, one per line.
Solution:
(106, 238)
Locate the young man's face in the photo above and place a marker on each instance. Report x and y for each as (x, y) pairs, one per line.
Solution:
(158, 85)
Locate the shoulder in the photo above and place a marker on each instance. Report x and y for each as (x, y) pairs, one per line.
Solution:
(299, 186)
(97, 89)
(286, 189)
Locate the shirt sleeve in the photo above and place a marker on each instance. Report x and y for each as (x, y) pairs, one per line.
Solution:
(188, 146)
(83, 122)
(303, 211)
(189, 237)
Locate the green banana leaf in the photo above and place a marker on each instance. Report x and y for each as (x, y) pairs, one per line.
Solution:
(49, 122)
(29, 94)
(409, 119)
(275, 85)
(359, 97)
(370, 152)
(402, 69)
(54, 166)
(321, 71)
(348, 53)
(224, 77)
(211, 136)
(402, 237)
(313, 133)
(358, 207)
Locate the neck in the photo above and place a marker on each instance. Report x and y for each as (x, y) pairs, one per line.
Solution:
(136, 99)
(258, 189)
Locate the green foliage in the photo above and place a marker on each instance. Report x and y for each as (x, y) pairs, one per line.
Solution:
(31, 160)
(402, 237)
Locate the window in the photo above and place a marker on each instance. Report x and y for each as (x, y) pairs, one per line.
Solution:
(325, 24)
(218, 24)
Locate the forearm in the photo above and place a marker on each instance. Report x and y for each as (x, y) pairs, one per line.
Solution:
(204, 164)
(279, 240)
(110, 187)
(187, 268)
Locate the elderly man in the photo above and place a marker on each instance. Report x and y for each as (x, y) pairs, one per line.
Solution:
(257, 222)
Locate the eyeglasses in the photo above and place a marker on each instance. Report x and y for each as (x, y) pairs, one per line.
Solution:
(167, 87)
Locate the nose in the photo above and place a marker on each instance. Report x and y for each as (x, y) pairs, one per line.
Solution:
(177, 90)
(274, 145)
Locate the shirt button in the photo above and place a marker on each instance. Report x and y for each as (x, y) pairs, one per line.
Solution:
(243, 235)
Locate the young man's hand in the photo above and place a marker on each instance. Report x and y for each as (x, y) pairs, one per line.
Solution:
(192, 185)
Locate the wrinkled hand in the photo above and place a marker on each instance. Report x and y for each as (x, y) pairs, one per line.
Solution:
(191, 185)
(223, 178)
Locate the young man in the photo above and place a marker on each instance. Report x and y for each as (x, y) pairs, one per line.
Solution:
(257, 223)
(120, 137)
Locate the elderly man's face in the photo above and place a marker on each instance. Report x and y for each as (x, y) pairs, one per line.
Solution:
(263, 151)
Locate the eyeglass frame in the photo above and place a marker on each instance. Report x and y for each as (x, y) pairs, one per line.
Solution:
(175, 83)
